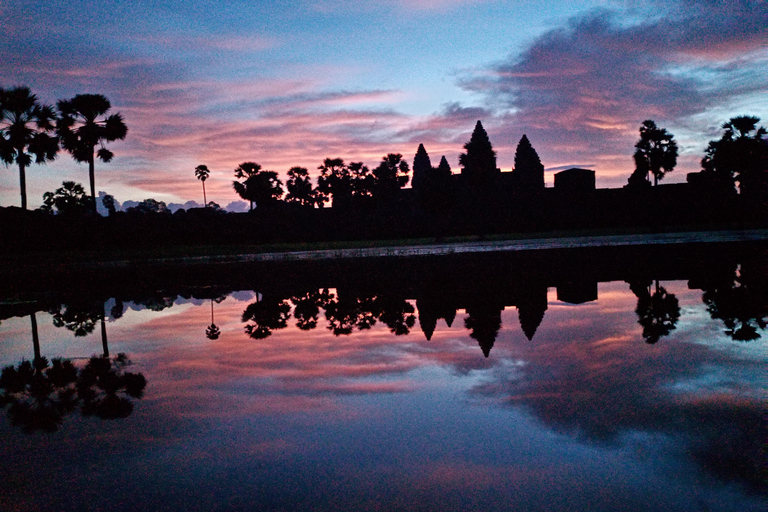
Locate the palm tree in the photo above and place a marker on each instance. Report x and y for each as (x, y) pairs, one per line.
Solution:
(245, 171)
(202, 172)
(83, 125)
(24, 131)
(656, 152)
(262, 187)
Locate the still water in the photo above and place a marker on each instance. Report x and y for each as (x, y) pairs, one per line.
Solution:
(489, 384)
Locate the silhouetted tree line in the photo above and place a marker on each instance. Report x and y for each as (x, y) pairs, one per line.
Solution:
(351, 201)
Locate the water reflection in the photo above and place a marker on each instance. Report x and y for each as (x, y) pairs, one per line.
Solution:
(40, 393)
(602, 385)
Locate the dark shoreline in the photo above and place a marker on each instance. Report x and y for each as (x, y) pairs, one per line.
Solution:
(688, 255)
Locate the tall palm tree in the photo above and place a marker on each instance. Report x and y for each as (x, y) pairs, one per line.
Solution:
(656, 151)
(202, 172)
(245, 171)
(83, 125)
(25, 127)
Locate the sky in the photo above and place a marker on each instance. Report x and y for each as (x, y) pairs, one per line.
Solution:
(291, 83)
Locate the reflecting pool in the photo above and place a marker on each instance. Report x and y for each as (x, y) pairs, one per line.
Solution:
(581, 381)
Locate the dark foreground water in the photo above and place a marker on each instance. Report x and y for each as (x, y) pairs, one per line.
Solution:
(484, 385)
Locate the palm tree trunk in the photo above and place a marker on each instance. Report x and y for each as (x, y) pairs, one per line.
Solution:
(23, 186)
(91, 176)
(205, 199)
(104, 345)
(35, 337)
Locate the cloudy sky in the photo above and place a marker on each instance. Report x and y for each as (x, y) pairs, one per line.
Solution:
(290, 83)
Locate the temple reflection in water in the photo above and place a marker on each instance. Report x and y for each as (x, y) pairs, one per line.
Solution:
(529, 380)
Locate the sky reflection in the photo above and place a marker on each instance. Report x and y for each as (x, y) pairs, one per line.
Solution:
(584, 416)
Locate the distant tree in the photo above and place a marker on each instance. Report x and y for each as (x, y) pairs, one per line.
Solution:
(25, 131)
(83, 125)
(299, 188)
(150, 206)
(245, 171)
(258, 186)
(202, 172)
(109, 203)
(68, 199)
(265, 188)
(422, 168)
(479, 161)
(216, 207)
(363, 182)
(741, 155)
(335, 183)
(390, 176)
(655, 153)
(529, 171)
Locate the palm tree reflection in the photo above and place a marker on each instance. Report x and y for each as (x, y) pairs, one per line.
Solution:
(657, 313)
(103, 386)
(307, 308)
(212, 332)
(78, 317)
(40, 393)
(741, 302)
(267, 314)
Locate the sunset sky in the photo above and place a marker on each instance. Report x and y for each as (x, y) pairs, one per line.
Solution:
(290, 83)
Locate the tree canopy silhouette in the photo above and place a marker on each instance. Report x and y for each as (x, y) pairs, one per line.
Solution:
(741, 155)
(150, 206)
(479, 161)
(109, 203)
(267, 315)
(105, 387)
(740, 305)
(335, 183)
(69, 199)
(83, 125)
(390, 176)
(26, 129)
(655, 153)
(258, 186)
(40, 393)
(300, 189)
(202, 173)
(657, 313)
